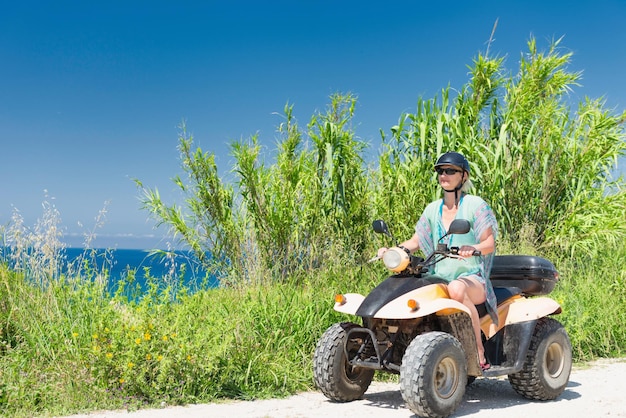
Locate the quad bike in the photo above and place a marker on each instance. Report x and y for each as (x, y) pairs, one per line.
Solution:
(411, 327)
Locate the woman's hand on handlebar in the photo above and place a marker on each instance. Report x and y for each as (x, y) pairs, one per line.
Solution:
(468, 251)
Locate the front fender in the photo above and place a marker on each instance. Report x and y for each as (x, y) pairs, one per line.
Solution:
(430, 299)
(352, 303)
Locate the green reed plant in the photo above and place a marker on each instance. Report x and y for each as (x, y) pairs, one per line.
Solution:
(533, 158)
(537, 162)
(289, 215)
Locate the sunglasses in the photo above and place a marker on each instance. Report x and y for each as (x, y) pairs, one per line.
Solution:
(448, 171)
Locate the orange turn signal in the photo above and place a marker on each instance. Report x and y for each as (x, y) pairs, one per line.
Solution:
(412, 304)
(340, 299)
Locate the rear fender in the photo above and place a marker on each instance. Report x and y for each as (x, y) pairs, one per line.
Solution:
(518, 310)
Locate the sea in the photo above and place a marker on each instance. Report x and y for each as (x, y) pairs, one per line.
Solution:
(179, 266)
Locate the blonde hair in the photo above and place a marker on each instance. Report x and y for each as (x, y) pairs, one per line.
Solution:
(467, 186)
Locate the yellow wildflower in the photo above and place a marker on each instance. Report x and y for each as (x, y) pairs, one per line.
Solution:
(138, 341)
(165, 338)
(131, 364)
(109, 355)
(159, 357)
(147, 336)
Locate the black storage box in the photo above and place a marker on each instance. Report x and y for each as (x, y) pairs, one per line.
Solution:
(533, 275)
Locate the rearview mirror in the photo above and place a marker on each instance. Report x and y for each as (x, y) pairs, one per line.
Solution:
(380, 227)
(459, 226)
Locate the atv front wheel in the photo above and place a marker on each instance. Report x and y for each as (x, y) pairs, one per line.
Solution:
(433, 375)
(548, 363)
(333, 375)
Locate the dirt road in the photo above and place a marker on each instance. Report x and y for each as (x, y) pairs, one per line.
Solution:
(596, 390)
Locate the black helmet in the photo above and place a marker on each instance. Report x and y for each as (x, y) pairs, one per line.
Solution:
(453, 158)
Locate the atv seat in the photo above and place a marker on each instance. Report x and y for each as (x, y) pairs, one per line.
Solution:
(502, 294)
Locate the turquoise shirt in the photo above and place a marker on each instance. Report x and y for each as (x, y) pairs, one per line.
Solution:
(452, 268)
(430, 228)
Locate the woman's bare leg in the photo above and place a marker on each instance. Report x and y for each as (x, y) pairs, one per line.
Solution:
(470, 292)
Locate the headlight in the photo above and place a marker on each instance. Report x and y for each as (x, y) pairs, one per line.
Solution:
(396, 259)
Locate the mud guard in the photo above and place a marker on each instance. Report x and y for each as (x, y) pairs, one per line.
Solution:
(431, 299)
(398, 308)
(352, 303)
(522, 310)
(518, 310)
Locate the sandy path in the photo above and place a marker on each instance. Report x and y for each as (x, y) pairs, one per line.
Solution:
(593, 391)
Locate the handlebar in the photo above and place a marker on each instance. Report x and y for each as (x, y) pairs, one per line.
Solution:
(455, 251)
(442, 251)
(418, 264)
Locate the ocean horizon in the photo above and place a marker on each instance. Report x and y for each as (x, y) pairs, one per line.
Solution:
(147, 242)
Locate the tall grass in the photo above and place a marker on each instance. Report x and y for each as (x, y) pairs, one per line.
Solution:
(37, 251)
(70, 347)
(591, 292)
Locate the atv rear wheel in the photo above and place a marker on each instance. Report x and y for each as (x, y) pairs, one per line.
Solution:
(548, 364)
(333, 375)
(433, 375)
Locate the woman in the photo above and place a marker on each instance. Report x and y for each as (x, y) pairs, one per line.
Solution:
(468, 278)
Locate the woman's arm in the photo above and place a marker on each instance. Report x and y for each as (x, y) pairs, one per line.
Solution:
(412, 244)
(487, 245)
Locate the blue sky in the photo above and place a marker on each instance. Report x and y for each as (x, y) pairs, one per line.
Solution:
(92, 93)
